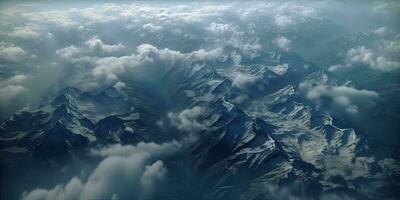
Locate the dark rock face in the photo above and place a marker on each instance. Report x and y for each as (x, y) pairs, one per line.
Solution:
(250, 143)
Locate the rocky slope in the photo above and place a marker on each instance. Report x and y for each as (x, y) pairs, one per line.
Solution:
(257, 134)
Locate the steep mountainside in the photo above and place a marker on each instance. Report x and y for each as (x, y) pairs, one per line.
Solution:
(256, 133)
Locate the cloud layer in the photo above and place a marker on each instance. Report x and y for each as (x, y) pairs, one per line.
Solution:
(97, 46)
(342, 97)
(124, 172)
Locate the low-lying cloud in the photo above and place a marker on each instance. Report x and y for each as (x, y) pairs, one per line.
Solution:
(381, 54)
(342, 97)
(124, 172)
(98, 46)
(9, 53)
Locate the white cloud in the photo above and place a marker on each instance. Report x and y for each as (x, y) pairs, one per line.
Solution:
(282, 42)
(219, 28)
(236, 58)
(64, 24)
(384, 64)
(18, 79)
(55, 18)
(242, 81)
(69, 52)
(183, 13)
(151, 27)
(212, 55)
(283, 20)
(12, 53)
(99, 14)
(96, 44)
(151, 177)
(337, 67)
(360, 55)
(343, 97)
(147, 62)
(381, 31)
(93, 49)
(279, 69)
(9, 92)
(13, 91)
(119, 86)
(70, 191)
(386, 9)
(188, 119)
(230, 36)
(128, 150)
(290, 13)
(380, 54)
(250, 50)
(365, 56)
(393, 46)
(124, 172)
(30, 31)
